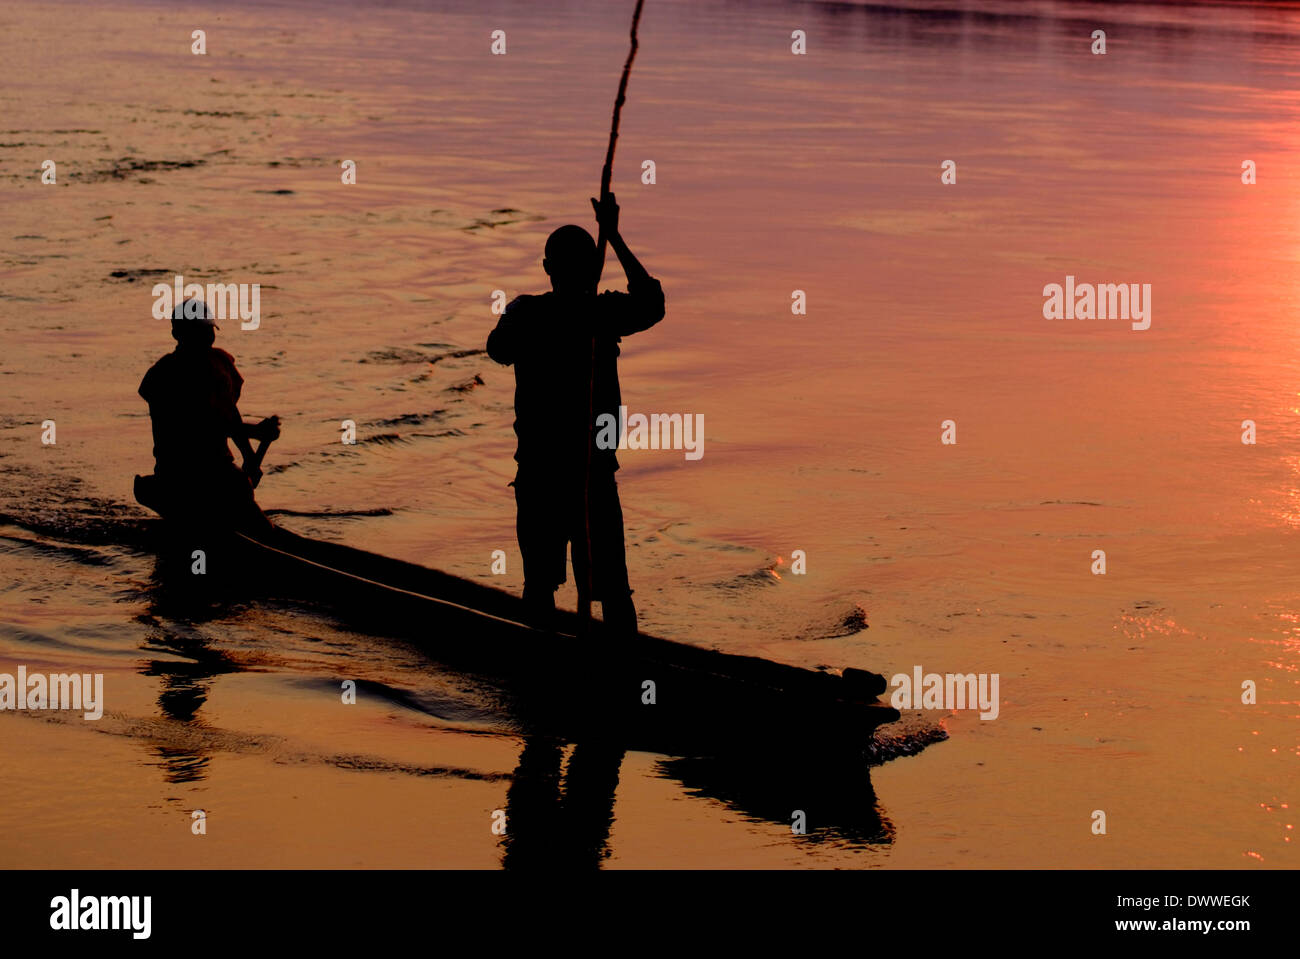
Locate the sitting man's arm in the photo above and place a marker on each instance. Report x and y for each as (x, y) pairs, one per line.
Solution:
(226, 402)
(236, 428)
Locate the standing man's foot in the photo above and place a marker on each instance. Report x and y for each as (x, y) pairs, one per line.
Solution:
(539, 607)
(620, 619)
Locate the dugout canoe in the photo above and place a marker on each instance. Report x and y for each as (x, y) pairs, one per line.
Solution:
(649, 693)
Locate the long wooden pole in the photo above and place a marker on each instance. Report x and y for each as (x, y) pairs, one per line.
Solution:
(607, 172)
(606, 175)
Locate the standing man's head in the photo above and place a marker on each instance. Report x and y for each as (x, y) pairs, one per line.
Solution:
(571, 260)
(193, 324)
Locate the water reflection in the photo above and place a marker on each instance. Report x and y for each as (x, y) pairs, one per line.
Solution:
(186, 679)
(559, 816)
(835, 795)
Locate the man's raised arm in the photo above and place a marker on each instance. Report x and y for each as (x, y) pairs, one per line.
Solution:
(645, 292)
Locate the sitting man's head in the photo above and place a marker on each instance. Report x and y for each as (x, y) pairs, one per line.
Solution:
(570, 260)
(193, 324)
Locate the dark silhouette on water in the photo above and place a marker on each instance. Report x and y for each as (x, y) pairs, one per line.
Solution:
(837, 797)
(558, 822)
(562, 386)
(193, 396)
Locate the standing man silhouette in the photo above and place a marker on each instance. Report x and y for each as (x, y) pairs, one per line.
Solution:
(560, 392)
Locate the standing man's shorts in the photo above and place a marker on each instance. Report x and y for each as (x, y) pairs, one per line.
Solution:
(550, 519)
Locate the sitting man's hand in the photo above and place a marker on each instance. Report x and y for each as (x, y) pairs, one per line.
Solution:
(269, 429)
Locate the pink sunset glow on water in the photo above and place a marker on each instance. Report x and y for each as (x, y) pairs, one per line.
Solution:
(775, 173)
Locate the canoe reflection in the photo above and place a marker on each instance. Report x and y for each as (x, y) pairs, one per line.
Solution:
(559, 815)
(835, 796)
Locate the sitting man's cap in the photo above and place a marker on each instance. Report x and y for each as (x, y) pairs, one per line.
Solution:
(194, 311)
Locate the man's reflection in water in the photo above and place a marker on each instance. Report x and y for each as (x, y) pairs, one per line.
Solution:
(185, 686)
(186, 669)
(561, 821)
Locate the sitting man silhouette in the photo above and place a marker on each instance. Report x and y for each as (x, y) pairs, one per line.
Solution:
(564, 347)
(193, 395)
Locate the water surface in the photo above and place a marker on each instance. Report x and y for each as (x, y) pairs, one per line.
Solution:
(775, 173)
